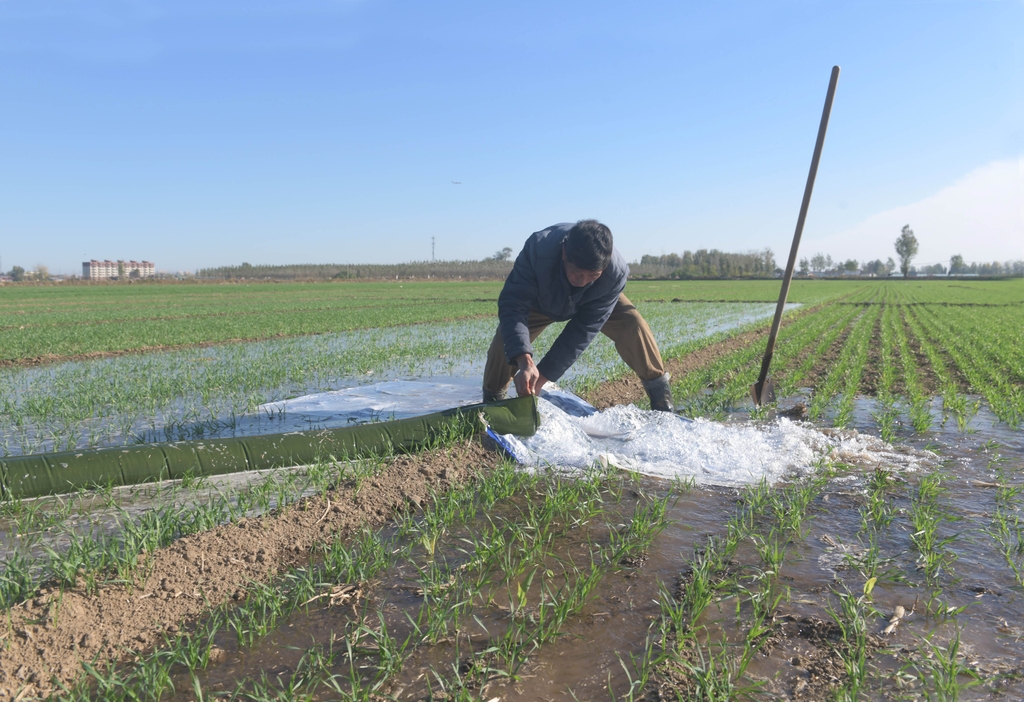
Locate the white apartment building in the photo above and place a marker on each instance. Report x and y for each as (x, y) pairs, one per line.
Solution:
(105, 270)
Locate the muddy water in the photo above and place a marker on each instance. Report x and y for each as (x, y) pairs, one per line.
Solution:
(594, 652)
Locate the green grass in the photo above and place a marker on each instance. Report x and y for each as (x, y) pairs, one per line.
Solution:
(70, 320)
(516, 574)
(495, 552)
(202, 392)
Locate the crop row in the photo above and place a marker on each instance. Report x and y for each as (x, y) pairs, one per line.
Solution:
(198, 393)
(512, 579)
(719, 386)
(982, 360)
(503, 565)
(73, 320)
(845, 375)
(909, 348)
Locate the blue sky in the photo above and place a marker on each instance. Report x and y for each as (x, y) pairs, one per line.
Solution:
(207, 133)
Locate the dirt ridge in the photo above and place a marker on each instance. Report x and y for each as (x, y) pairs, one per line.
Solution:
(47, 639)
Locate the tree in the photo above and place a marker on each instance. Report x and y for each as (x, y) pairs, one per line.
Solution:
(17, 274)
(120, 270)
(956, 264)
(42, 272)
(503, 255)
(819, 262)
(851, 265)
(805, 267)
(875, 267)
(890, 266)
(906, 249)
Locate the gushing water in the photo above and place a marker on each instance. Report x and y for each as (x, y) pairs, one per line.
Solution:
(574, 435)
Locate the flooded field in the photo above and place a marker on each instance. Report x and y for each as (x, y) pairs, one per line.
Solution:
(604, 583)
(860, 540)
(803, 585)
(219, 390)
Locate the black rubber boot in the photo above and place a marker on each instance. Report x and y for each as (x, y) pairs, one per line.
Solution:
(495, 396)
(660, 393)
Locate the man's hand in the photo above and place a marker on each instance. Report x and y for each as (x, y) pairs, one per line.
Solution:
(529, 380)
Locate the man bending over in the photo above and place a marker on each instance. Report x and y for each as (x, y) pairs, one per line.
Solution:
(569, 272)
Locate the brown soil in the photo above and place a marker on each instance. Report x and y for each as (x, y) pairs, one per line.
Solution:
(819, 670)
(930, 381)
(819, 372)
(48, 638)
(815, 672)
(936, 304)
(783, 374)
(872, 372)
(628, 389)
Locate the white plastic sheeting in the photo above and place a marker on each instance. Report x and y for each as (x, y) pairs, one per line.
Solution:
(394, 399)
(575, 435)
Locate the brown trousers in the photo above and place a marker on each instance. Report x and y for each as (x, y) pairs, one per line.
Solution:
(632, 337)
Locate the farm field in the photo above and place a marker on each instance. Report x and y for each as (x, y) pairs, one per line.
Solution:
(213, 391)
(454, 575)
(53, 323)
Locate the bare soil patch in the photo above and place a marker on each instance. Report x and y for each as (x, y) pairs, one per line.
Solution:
(47, 639)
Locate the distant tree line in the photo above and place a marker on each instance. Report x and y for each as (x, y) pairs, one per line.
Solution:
(705, 263)
(700, 264)
(491, 268)
(906, 249)
(18, 274)
(822, 265)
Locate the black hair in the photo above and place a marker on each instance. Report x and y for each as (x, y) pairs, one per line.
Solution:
(589, 245)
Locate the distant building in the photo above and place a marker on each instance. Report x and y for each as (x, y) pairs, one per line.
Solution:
(105, 270)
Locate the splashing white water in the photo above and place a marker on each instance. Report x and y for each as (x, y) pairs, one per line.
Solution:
(712, 453)
(575, 435)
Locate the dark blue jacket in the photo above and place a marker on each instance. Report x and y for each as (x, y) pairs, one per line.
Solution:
(538, 282)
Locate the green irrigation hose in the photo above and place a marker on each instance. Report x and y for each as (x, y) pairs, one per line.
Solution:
(57, 473)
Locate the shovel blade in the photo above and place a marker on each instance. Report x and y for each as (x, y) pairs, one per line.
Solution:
(763, 393)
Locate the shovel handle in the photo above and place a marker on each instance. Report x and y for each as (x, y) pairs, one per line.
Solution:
(808, 188)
